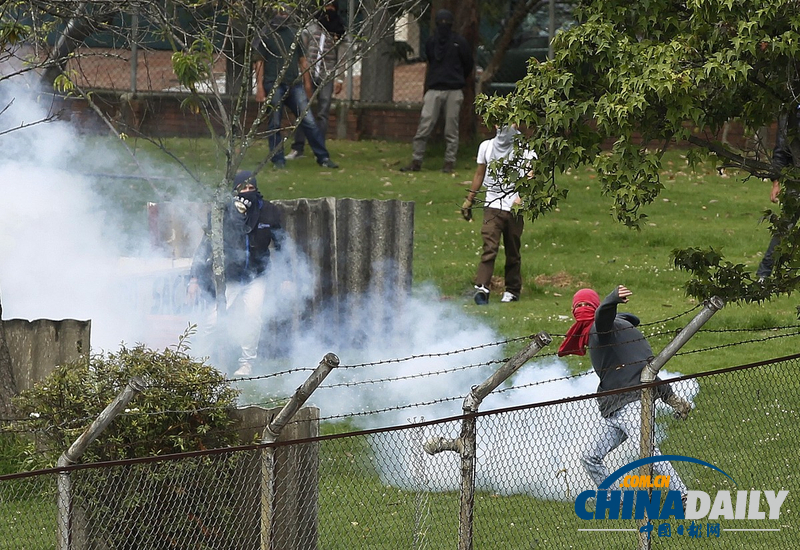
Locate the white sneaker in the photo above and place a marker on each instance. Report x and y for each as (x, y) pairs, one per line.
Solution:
(508, 297)
(294, 154)
(245, 370)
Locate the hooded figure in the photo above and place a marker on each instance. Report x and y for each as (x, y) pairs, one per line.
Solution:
(619, 352)
(444, 28)
(584, 304)
(450, 63)
(330, 19)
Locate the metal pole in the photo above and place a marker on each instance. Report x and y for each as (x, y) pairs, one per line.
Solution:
(351, 17)
(271, 434)
(649, 374)
(134, 46)
(551, 29)
(64, 499)
(469, 439)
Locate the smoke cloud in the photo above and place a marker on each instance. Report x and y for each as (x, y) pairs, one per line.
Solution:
(74, 244)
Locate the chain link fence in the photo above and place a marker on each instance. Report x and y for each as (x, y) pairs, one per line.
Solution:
(380, 489)
(127, 51)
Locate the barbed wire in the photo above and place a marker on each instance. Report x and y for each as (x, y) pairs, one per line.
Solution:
(744, 342)
(413, 376)
(22, 425)
(438, 354)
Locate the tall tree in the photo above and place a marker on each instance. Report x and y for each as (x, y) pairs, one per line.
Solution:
(200, 34)
(645, 76)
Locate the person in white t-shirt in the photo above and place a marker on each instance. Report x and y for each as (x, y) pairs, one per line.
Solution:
(499, 216)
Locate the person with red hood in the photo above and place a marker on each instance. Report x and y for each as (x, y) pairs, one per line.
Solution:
(619, 351)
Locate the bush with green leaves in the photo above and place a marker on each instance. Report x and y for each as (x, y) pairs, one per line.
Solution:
(184, 407)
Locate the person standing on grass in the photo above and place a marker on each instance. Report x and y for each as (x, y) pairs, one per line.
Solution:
(450, 63)
(251, 226)
(277, 69)
(320, 43)
(619, 351)
(499, 216)
(785, 153)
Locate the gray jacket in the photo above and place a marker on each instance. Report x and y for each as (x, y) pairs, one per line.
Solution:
(619, 351)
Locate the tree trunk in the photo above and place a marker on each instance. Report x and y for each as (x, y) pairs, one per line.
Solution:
(516, 19)
(377, 65)
(8, 386)
(467, 21)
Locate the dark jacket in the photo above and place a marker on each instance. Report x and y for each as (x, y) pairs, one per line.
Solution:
(452, 70)
(247, 253)
(273, 45)
(619, 352)
(787, 147)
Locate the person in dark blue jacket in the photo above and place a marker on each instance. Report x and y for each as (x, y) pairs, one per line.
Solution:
(251, 227)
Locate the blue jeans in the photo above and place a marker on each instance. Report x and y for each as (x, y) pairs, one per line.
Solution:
(295, 98)
(324, 97)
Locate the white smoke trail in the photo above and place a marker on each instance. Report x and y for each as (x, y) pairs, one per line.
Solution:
(64, 235)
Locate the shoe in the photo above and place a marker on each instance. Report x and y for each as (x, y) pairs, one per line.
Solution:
(413, 166)
(328, 163)
(245, 370)
(481, 295)
(280, 165)
(448, 167)
(294, 154)
(508, 297)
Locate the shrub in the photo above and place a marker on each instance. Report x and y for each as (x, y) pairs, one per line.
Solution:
(184, 407)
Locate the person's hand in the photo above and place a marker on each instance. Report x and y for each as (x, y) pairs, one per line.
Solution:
(681, 407)
(466, 210)
(775, 192)
(623, 293)
(241, 204)
(338, 86)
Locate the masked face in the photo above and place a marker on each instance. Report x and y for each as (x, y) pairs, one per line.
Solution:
(583, 312)
(443, 29)
(505, 135)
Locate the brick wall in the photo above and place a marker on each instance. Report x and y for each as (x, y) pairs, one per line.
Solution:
(161, 115)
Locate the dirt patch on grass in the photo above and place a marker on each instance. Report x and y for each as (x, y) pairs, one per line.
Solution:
(562, 279)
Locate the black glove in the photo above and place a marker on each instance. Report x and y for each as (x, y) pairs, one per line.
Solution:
(242, 204)
(466, 210)
(249, 204)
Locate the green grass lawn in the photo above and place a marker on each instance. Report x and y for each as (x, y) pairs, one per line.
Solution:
(578, 245)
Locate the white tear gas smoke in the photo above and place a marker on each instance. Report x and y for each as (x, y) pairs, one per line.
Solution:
(69, 215)
(68, 249)
(535, 451)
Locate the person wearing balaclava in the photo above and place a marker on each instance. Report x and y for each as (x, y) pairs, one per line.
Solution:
(500, 220)
(251, 227)
(278, 60)
(618, 351)
(450, 64)
(320, 40)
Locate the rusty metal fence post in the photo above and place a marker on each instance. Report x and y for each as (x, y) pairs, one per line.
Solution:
(649, 373)
(71, 456)
(466, 443)
(271, 434)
